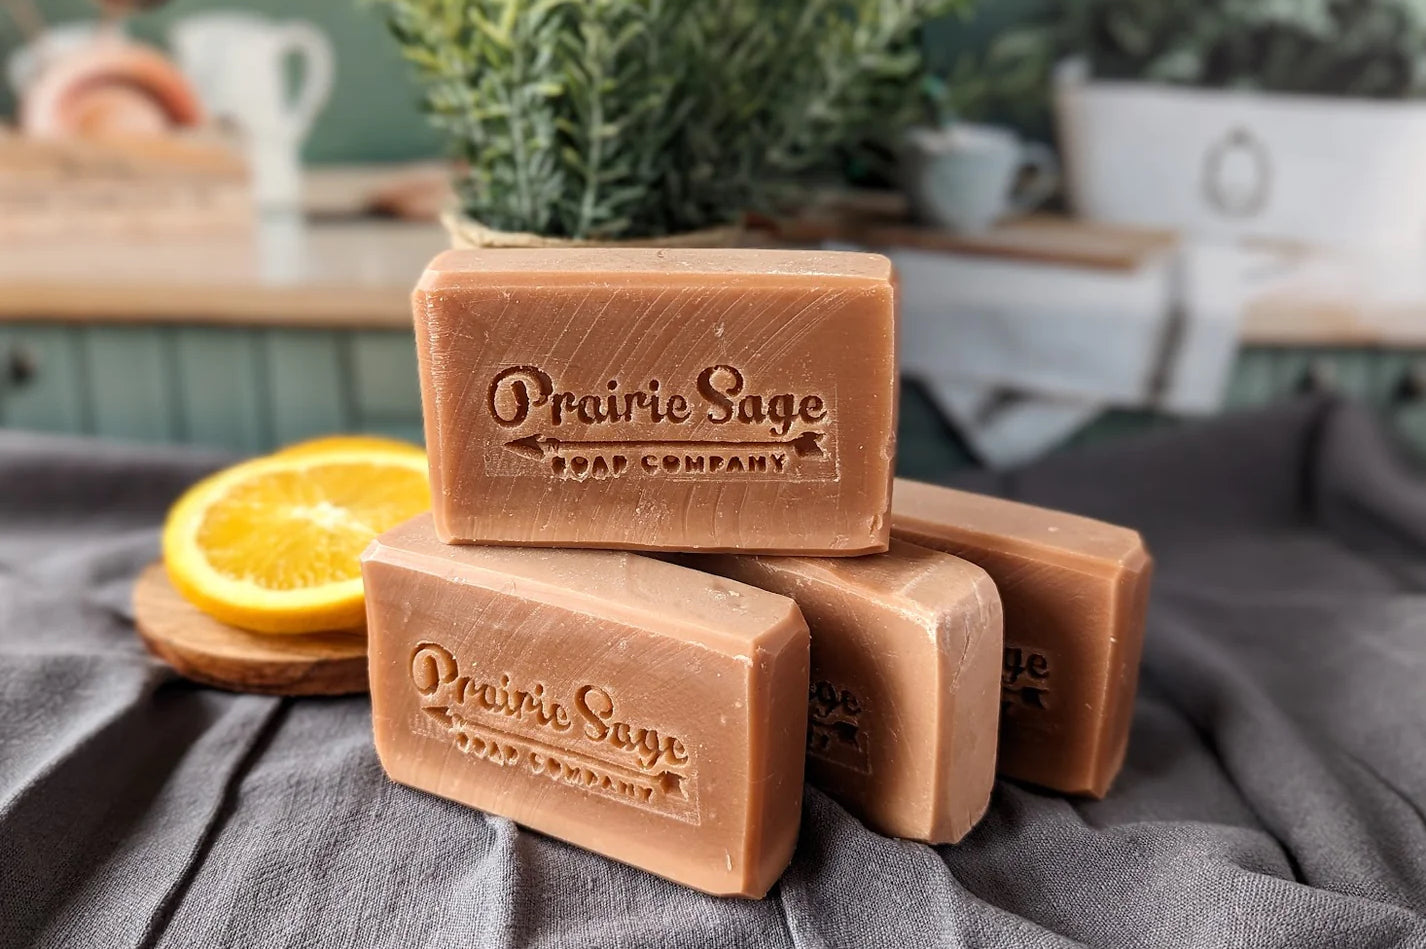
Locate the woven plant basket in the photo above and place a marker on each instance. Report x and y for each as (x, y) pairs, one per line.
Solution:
(467, 234)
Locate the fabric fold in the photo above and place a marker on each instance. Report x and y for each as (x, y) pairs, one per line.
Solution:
(1272, 795)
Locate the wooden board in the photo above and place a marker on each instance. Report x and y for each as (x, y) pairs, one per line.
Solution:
(81, 190)
(415, 191)
(1288, 318)
(205, 650)
(356, 274)
(880, 221)
(1043, 240)
(359, 273)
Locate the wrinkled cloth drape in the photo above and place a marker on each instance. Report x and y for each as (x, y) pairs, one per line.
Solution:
(1273, 795)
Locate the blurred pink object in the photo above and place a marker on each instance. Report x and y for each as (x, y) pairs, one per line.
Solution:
(108, 88)
(116, 109)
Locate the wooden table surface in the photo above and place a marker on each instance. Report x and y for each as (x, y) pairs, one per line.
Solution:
(1295, 318)
(342, 271)
(352, 274)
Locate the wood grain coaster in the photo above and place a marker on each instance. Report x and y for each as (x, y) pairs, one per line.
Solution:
(205, 650)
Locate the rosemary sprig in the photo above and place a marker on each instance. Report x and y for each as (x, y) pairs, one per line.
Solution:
(624, 118)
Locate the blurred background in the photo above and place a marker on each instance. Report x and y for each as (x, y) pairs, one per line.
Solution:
(1107, 215)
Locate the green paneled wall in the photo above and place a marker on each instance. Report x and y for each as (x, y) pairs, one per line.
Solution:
(249, 390)
(221, 387)
(243, 389)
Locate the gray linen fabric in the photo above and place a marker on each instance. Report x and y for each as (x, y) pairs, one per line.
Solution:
(1273, 794)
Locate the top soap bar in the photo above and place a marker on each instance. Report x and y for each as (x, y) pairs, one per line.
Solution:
(697, 400)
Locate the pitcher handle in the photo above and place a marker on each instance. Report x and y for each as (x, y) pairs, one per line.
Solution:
(1044, 178)
(311, 44)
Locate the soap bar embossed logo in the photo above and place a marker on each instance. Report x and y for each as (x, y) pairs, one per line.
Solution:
(585, 740)
(722, 424)
(1024, 681)
(835, 732)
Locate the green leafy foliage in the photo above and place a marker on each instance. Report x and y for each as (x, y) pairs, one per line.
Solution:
(1368, 48)
(1361, 48)
(631, 118)
(1008, 80)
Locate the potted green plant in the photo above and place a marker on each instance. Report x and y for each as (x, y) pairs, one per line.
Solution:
(658, 121)
(1233, 118)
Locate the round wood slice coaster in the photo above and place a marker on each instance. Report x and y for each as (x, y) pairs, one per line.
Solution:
(205, 650)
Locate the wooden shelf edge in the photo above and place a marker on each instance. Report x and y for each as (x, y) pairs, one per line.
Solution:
(1293, 321)
(307, 307)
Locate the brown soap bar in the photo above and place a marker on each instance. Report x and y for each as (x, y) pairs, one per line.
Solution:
(637, 708)
(736, 400)
(1075, 592)
(905, 690)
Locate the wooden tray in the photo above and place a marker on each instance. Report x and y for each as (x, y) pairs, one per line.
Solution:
(880, 221)
(182, 185)
(205, 650)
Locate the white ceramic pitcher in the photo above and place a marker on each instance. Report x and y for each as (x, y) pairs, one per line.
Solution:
(238, 62)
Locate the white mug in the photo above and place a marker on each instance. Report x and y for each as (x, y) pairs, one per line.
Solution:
(968, 177)
(238, 63)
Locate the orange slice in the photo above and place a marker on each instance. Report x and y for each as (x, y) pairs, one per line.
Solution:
(328, 444)
(271, 545)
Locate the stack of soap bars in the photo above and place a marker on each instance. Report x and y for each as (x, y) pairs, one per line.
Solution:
(669, 574)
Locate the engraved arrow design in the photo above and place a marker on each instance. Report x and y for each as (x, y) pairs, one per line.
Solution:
(669, 782)
(441, 713)
(538, 447)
